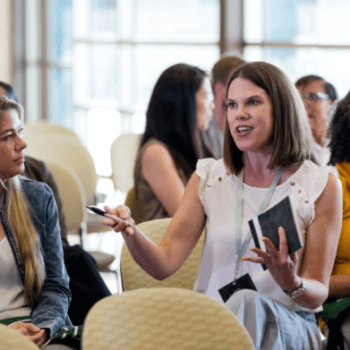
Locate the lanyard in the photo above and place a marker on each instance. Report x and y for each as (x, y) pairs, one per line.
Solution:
(241, 248)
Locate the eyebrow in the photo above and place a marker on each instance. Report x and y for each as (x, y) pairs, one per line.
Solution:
(250, 97)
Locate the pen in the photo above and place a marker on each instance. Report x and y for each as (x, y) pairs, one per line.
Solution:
(103, 213)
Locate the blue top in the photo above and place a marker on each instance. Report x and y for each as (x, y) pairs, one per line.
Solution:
(50, 311)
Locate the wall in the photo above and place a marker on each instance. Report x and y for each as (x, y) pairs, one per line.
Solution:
(5, 35)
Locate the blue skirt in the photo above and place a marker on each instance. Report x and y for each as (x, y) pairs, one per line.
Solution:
(271, 325)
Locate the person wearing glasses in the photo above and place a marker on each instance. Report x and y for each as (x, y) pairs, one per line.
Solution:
(318, 96)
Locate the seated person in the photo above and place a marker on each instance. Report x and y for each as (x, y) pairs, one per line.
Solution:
(263, 163)
(34, 284)
(213, 136)
(318, 96)
(339, 286)
(86, 284)
(170, 147)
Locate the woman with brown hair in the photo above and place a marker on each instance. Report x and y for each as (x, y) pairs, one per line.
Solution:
(34, 288)
(267, 145)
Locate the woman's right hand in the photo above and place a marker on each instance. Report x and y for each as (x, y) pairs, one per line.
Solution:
(35, 334)
(124, 213)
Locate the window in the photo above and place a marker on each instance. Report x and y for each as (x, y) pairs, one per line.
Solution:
(301, 37)
(120, 49)
(98, 60)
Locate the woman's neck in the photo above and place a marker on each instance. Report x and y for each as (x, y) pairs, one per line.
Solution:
(256, 169)
(258, 174)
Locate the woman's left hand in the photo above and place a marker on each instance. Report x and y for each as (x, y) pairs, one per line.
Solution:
(35, 334)
(281, 266)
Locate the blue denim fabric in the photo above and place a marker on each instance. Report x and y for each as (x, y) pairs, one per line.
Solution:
(50, 311)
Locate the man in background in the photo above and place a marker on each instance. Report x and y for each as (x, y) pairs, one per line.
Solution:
(318, 96)
(213, 137)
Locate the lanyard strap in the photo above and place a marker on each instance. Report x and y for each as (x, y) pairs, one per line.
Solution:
(241, 248)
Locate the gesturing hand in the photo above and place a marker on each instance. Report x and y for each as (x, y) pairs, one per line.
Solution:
(124, 213)
(35, 334)
(281, 266)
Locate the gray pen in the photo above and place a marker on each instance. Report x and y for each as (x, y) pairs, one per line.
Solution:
(103, 213)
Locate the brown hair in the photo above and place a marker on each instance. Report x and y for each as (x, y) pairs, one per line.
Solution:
(328, 87)
(291, 136)
(223, 69)
(25, 235)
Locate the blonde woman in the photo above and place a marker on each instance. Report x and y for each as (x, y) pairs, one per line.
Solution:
(267, 145)
(34, 285)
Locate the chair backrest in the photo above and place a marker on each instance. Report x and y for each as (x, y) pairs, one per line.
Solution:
(134, 277)
(72, 194)
(35, 129)
(163, 318)
(123, 156)
(12, 339)
(69, 152)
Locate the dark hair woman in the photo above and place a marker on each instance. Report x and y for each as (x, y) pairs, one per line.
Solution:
(170, 147)
(274, 294)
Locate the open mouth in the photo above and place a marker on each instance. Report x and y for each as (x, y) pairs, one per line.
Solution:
(243, 129)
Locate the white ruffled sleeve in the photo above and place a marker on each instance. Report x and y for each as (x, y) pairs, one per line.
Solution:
(203, 170)
(318, 183)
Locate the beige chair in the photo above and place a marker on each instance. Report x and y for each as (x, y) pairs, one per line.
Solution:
(35, 129)
(134, 277)
(74, 206)
(11, 339)
(123, 156)
(69, 152)
(163, 318)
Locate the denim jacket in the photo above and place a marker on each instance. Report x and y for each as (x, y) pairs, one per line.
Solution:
(50, 310)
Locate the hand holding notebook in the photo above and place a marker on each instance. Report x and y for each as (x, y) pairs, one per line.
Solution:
(277, 238)
(267, 224)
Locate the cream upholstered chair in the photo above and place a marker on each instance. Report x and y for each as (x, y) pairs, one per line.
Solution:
(134, 277)
(35, 129)
(72, 195)
(11, 339)
(74, 204)
(163, 318)
(123, 157)
(70, 152)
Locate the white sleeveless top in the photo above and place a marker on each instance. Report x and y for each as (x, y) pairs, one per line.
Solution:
(217, 192)
(12, 301)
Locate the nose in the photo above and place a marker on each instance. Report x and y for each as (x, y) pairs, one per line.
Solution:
(21, 144)
(241, 113)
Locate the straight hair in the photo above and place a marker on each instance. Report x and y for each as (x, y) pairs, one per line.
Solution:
(171, 116)
(25, 235)
(291, 136)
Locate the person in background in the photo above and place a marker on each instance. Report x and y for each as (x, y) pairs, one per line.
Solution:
(180, 106)
(34, 284)
(318, 96)
(339, 145)
(213, 136)
(86, 284)
(266, 150)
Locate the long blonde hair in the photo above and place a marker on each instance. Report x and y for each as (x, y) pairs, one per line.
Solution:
(26, 237)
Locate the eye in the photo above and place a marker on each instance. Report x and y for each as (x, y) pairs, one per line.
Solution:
(231, 104)
(20, 131)
(8, 137)
(253, 102)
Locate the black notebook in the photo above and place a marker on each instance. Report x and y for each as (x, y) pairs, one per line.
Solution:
(267, 224)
